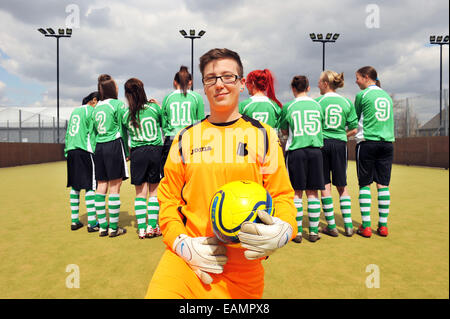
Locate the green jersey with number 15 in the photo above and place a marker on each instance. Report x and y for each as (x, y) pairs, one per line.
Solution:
(339, 114)
(149, 131)
(261, 108)
(303, 117)
(374, 109)
(80, 130)
(180, 111)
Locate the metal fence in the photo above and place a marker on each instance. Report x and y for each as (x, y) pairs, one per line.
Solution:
(414, 117)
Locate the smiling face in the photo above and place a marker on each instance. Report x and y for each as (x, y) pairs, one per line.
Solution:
(361, 81)
(223, 98)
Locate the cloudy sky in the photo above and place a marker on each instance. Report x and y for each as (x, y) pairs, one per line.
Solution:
(140, 38)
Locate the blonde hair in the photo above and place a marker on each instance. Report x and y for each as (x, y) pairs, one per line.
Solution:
(333, 79)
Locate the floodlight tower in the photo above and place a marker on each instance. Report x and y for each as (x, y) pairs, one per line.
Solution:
(192, 36)
(328, 38)
(67, 33)
(440, 40)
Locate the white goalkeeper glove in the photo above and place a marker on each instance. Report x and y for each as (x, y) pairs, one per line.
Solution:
(203, 254)
(262, 239)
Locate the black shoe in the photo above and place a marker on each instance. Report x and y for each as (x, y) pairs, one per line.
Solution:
(76, 226)
(330, 232)
(298, 238)
(103, 232)
(349, 231)
(117, 232)
(93, 229)
(313, 237)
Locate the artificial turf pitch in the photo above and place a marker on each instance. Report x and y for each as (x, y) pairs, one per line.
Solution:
(40, 255)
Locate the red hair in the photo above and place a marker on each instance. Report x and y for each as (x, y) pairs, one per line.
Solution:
(263, 80)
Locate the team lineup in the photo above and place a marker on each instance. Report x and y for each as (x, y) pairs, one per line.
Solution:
(179, 159)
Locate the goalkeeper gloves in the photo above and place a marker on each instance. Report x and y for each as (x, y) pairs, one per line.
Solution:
(203, 254)
(262, 239)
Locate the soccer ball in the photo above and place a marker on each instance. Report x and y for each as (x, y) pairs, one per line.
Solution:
(235, 203)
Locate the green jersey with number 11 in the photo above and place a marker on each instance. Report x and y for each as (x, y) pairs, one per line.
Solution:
(339, 114)
(149, 131)
(261, 108)
(180, 111)
(80, 132)
(303, 117)
(374, 109)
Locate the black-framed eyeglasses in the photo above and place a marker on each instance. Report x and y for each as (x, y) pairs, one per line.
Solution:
(226, 79)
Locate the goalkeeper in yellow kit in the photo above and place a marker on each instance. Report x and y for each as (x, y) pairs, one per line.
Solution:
(224, 147)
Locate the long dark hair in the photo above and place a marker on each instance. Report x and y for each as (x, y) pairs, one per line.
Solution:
(183, 77)
(106, 87)
(136, 97)
(371, 73)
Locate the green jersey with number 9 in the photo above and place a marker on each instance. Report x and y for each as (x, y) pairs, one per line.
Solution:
(107, 117)
(80, 132)
(261, 108)
(180, 111)
(374, 109)
(339, 114)
(303, 117)
(149, 131)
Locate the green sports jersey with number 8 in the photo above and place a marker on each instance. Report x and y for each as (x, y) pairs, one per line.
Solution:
(149, 131)
(339, 114)
(303, 117)
(374, 109)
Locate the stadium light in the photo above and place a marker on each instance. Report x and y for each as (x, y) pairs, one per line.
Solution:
(192, 36)
(61, 34)
(330, 37)
(438, 40)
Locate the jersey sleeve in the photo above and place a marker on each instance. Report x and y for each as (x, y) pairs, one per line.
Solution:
(352, 120)
(121, 110)
(282, 122)
(164, 115)
(200, 108)
(358, 106)
(276, 182)
(169, 196)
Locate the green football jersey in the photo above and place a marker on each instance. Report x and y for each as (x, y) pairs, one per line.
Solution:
(149, 131)
(80, 133)
(339, 114)
(180, 111)
(107, 117)
(261, 108)
(303, 117)
(374, 110)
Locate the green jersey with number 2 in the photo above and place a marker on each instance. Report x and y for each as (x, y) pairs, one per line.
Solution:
(339, 114)
(180, 111)
(261, 108)
(303, 117)
(149, 131)
(374, 109)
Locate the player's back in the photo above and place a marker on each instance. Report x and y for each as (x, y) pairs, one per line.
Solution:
(106, 116)
(79, 130)
(303, 117)
(261, 108)
(181, 110)
(374, 108)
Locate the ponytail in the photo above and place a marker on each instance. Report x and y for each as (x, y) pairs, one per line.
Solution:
(263, 80)
(136, 97)
(106, 87)
(182, 78)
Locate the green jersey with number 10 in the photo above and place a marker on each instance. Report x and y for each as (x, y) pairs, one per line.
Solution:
(261, 108)
(374, 109)
(180, 111)
(80, 132)
(303, 117)
(149, 131)
(339, 114)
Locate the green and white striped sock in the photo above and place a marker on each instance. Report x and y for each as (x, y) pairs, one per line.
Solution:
(365, 201)
(114, 209)
(299, 206)
(314, 214)
(346, 210)
(90, 207)
(74, 205)
(153, 211)
(328, 210)
(140, 208)
(384, 201)
(100, 203)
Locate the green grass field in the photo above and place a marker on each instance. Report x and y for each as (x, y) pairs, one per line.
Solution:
(37, 245)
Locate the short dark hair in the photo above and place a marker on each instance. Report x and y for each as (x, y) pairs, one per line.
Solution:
(300, 83)
(371, 73)
(106, 87)
(90, 97)
(216, 54)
